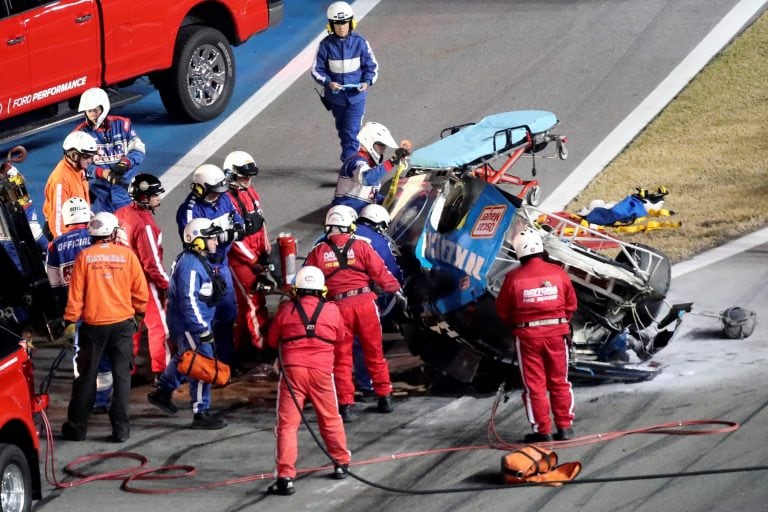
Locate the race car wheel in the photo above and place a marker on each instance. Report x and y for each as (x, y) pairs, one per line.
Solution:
(456, 208)
(15, 480)
(199, 84)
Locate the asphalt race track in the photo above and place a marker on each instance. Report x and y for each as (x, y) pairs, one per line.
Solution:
(448, 62)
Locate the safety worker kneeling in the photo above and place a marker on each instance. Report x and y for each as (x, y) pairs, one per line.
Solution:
(351, 268)
(305, 330)
(537, 301)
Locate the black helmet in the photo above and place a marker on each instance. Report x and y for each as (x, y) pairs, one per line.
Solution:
(144, 186)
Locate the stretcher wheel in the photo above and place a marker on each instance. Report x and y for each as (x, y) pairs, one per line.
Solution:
(533, 196)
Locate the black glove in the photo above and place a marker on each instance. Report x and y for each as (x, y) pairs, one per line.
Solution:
(206, 337)
(116, 171)
(120, 167)
(400, 153)
(264, 284)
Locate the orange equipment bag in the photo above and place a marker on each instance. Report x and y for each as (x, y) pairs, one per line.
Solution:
(535, 464)
(203, 368)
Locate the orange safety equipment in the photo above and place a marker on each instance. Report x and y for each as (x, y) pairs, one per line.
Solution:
(532, 463)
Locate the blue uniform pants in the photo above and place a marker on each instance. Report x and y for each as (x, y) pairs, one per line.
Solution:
(349, 119)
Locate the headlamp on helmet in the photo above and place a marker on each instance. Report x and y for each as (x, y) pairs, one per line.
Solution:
(143, 187)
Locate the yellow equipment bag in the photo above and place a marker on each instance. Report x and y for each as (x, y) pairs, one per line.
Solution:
(535, 464)
(205, 369)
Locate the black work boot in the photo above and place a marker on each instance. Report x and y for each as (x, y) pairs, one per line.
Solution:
(162, 398)
(537, 437)
(283, 487)
(563, 434)
(340, 472)
(204, 420)
(70, 434)
(385, 404)
(346, 413)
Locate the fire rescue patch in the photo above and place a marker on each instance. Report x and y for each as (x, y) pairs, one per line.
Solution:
(541, 294)
(488, 221)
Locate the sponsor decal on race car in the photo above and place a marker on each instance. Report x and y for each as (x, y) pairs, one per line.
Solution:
(459, 257)
(488, 221)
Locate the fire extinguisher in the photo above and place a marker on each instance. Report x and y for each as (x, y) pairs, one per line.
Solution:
(288, 247)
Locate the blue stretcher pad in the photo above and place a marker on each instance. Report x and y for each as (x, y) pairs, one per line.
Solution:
(483, 139)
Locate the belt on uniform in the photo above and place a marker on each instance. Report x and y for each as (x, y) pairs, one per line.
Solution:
(548, 321)
(352, 293)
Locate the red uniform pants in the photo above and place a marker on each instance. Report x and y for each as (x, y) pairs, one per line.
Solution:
(362, 320)
(252, 313)
(317, 386)
(544, 369)
(157, 332)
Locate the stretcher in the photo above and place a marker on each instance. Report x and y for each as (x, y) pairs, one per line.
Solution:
(489, 148)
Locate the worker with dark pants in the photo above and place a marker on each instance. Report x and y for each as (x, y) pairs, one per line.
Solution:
(108, 291)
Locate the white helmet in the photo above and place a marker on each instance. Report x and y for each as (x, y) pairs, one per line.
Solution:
(76, 211)
(200, 228)
(373, 132)
(241, 164)
(310, 278)
(527, 242)
(94, 98)
(80, 142)
(376, 214)
(103, 224)
(208, 178)
(339, 11)
(340, 216)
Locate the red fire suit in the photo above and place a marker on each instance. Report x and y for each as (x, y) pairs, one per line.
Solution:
(350, 287)
(244, 255)
(537, 301)
(145, 238)
(307, 365)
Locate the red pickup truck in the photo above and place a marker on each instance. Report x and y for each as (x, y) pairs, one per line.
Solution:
(52, 51)
(19, 441)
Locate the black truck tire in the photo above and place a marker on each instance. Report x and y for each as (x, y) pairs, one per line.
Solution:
(199, 84)
(15, 480)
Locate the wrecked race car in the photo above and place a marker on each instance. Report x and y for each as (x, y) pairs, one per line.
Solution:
(454, 229)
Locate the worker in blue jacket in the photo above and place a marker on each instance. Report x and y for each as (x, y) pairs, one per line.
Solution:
(193, 296)
(209, 200)
(346, 67)
(120, 152)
